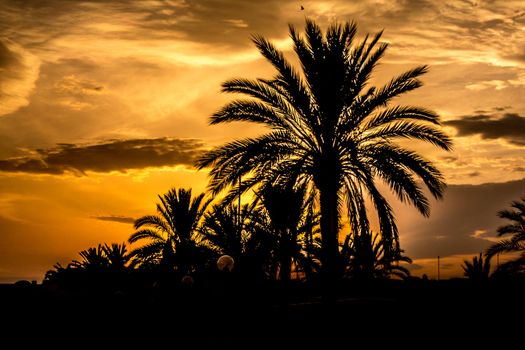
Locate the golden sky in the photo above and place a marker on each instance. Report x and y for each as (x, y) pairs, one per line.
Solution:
(104, 105)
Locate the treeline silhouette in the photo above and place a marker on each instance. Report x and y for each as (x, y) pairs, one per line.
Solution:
(227, 269)
(273, 238)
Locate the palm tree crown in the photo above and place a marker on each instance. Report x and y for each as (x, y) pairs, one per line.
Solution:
(478, 270)
(238, 233)
(173, 233)
(364, 258)
(516, 230)
(331, 131)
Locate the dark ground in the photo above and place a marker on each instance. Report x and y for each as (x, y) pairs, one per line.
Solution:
(415, 314)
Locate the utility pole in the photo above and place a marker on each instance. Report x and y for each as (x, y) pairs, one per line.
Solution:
(438, 268)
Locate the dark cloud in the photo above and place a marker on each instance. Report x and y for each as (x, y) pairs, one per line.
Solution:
(117, 155)
(116, 218)
(463, 223)
(494, 109)
(510, 126)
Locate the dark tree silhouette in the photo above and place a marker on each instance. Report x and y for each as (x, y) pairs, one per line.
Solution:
(117, 256)
(329, 130)
(93, 259)
(364, 258)
(104, 265)
(291, 221)
(516, 230)
(477, 270)
(513, 269)
(515, 243)
(173, 234)
(239, 234)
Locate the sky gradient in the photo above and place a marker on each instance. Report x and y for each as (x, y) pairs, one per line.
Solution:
(104, 105)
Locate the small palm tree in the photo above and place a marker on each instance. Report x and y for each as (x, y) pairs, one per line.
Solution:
(56, 274)
(478, 269)
(238, 233)
(117, 256)
(512, 269)
(329, 129)
(93, 259)
(365, 258)
(95, 262)
(516, 229)
(172, 235)
(225, 228)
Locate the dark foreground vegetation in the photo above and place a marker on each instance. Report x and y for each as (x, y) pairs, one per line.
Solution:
(228, 312)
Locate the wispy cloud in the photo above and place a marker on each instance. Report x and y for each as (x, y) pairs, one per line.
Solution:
(483, 234)
(18, 72)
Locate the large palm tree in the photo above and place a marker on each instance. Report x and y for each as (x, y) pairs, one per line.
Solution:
(330, 130)
(172, 234)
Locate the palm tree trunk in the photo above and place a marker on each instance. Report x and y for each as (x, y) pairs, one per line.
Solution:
(329, 235)
(286, 266)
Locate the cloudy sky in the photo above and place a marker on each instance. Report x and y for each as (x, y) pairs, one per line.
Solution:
(104, 105)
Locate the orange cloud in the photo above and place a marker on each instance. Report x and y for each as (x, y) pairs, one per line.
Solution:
(18, 72)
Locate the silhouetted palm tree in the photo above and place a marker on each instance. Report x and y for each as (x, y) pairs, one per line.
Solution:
(95, 262)
(327, 129)
(365, 258)
(239, 234)
(172, 234)
(93, 259)
(478, 270)
(516, 229)
(512, 269)
(56, 274)
(224, 228)
(117, 256)
(289, 217)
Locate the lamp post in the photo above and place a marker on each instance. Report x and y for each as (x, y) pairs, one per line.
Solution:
(225, 263)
